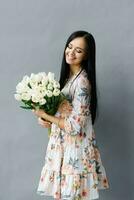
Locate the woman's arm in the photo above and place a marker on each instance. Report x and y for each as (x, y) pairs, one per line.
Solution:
(79, 116)
(53, 119)
(57, 120)
(44, 123)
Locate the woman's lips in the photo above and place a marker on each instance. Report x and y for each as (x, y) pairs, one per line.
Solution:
(70, 58)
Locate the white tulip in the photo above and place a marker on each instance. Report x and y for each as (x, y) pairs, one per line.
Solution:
(25, 96)
(35, 99)
(56, 92)
(45, 81)
(49, 93)
(34, 79)
(56, 84)
(25, 79)
(32, 83)
(42, 74)
(50, 86)
(38, 78)
(38, 88)
(21, 87)
(32, 75)
(42, 101)
(50, 76)
(18, 97)
(36, 93)
(44, 92)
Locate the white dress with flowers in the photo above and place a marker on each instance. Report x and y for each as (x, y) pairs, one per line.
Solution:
(73, 169)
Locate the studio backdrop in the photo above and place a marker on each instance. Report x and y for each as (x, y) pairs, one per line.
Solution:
(32, 39)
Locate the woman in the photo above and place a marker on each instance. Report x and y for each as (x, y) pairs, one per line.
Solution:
(73, 169)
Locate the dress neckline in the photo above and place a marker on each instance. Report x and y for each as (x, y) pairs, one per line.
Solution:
(76, 73)
(73, 77)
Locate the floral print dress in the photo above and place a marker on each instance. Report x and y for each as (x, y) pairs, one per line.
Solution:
(73, 169)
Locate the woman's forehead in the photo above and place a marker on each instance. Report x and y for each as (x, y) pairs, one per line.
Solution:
(78, 42)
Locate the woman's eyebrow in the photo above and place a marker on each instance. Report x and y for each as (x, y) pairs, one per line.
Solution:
(77, 47)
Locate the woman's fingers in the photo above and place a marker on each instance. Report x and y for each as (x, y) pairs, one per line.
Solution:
(44, 123)
(38, 112)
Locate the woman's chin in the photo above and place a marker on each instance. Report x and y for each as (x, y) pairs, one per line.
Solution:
(70, 62)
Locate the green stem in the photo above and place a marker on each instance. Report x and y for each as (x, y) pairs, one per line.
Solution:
(49, 132)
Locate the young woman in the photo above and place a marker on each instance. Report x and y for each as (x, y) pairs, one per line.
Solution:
(73, 169)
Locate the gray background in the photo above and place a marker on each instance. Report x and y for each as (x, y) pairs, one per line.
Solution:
(32, 38)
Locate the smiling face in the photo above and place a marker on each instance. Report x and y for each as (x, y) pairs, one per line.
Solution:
(75, 52)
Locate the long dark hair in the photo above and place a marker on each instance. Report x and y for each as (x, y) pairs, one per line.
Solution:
(89, 65)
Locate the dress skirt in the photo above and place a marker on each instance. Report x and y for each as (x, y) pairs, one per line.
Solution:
(66, 176)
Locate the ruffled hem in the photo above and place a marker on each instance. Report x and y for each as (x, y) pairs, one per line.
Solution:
(71, 186)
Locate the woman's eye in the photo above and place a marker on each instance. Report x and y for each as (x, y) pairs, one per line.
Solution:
(69, 47)
(78, 51)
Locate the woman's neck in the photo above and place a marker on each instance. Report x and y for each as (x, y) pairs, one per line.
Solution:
(74, 70)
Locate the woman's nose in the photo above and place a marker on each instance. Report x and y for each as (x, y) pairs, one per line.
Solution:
(72, 51)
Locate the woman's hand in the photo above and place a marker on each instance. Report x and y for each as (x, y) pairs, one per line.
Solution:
(65, 108)
(39, 113)
(44, 123)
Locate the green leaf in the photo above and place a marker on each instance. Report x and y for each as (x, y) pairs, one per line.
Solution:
(29, 85)
(25, 107)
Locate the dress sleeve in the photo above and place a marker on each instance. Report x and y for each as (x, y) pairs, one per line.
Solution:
(80, 108)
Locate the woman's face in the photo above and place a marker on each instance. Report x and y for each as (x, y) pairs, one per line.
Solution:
(75, 52)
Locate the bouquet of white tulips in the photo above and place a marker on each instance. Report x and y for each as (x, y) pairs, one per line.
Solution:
(40, 91)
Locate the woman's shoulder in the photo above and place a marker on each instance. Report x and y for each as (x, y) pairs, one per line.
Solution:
(82, 80)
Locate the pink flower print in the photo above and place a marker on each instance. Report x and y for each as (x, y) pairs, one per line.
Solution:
(63, 180)
(80, 134)
(105, 182)
(84, 192)
(89, 167)
(76, 183)
(77, 146)
(51, 178)
(57, 195)
(65, 108)
(97, 155)
(67, 168)
(76, 118)
(95, 186)
(69, 140)
(42, 179)
(85, 161)
(80, 137)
